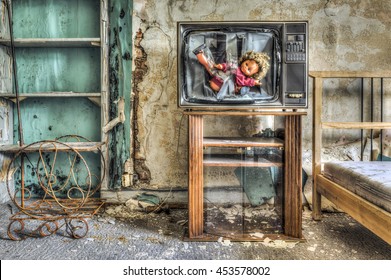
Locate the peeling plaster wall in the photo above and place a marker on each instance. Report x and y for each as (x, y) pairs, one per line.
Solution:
(344, 35)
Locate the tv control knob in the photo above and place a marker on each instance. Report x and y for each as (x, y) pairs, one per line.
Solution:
(295, 95)
(289, 47)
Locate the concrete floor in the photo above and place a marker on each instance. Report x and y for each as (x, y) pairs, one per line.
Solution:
(160, 236)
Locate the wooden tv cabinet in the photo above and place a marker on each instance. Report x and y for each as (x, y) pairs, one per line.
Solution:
(292, 173)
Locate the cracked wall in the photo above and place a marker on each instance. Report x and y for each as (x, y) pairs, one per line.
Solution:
(344, 35)
(143, 175)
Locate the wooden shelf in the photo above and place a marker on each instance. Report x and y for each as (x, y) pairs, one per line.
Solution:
(53, 146)
(357, 125)
(53, 94)
(350, 74)
(53, 42)
(242, 142)
(235, 162)
(265, 112)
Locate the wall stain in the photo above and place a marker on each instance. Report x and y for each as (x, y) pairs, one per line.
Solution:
(141, 170)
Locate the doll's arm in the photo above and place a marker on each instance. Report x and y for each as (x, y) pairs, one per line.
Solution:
(257, 82)
(218, 66)
(221, 66)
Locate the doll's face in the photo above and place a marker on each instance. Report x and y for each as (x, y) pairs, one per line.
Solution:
(249, 67)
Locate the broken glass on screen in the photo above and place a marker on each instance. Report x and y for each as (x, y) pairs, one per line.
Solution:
(226, 47)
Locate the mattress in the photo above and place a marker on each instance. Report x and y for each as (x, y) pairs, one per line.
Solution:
(369, 180)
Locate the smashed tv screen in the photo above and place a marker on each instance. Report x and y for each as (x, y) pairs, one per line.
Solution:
(213, 60)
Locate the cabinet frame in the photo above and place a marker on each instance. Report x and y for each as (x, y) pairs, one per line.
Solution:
(292, 205)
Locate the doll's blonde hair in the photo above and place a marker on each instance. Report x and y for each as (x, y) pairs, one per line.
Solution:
(262, 59)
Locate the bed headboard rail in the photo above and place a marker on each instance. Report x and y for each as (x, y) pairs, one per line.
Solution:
(368, 122)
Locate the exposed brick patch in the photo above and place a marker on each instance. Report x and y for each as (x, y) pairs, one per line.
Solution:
(141, 69)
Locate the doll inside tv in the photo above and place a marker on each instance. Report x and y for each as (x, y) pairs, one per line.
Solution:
(213, 60)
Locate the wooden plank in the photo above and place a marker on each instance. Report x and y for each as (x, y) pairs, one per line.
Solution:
(350, 74)
(369, 215)
(52, 94)
(287, 178)
(52, 42)
(196, 177)
(245, 113)
(244, 237)
(53, 146)
(242, 142)
(292, 190)
(4, 26)
(261, 162)
(316, 144)
(357, 125)
(299, 173)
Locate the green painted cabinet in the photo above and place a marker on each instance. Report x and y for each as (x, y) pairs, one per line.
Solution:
(55, 60)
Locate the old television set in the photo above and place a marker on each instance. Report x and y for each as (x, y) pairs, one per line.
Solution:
(285, 84)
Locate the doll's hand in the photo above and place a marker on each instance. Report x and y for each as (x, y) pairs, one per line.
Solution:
(257, 83)
(218, 66)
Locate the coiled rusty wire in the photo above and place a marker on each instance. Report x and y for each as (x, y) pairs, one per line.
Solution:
(51, 212)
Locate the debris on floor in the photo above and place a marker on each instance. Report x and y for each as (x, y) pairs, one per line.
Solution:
(149, 236)
(257, 235)
(278, 243)
(224, 242)
(243, 219)
(150, 199)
